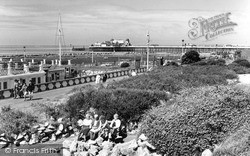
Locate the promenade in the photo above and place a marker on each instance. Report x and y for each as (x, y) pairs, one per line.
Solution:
(55, 94)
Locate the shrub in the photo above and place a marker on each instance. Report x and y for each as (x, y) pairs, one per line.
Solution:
(236, 144)
(174, 79)
(200, 63)
(238, 68)
(211, 61)
(197, 117)
(243, 62)
(190, 57)
(124, 65)
(130, 104)
(15, 121)
(49, 108)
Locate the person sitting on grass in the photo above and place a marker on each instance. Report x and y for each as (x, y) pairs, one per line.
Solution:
(115, 127)
(86, 125)
(104, 128)
(95, 128)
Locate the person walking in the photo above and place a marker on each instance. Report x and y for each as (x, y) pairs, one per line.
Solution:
(104, 78)
(15, 89)
(98, 78)
(24, 90)
(30, 89)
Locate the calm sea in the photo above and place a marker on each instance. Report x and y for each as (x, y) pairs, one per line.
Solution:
(33, 49)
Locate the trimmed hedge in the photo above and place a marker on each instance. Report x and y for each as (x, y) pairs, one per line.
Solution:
(197, 117)
(130, 104)
(174, 79)
(15, 121)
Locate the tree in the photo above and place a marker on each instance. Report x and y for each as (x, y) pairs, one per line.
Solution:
(190, 57)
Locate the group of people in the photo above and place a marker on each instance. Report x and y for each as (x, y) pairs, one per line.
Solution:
(98, 126)
(100, 78)
(23, 90)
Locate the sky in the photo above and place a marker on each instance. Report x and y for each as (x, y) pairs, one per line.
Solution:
(28, 22)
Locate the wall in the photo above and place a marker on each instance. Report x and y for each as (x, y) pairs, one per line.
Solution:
(8, 93)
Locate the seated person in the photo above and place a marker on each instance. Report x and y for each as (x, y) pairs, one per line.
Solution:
(95, 128)
(86, 125)
(115, 127)
(104, 128)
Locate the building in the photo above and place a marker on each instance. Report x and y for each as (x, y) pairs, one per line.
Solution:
(8, 76)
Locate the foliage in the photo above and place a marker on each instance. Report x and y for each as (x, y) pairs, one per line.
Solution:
(238, 69)
(190, 57)
(243, 62)
(211, 61)
(236, 144)
(198, 117)
(15, 121)
(174, 79)
(50, 108)
(130, 104)
(124, 65)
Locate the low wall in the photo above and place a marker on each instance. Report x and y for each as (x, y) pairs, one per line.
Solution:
(8, 93)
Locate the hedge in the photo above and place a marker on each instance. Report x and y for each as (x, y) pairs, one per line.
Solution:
(198, 117)
(174, 79)
(130, 104)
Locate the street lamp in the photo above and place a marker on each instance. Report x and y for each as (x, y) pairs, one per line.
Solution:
(24, 49)
(148, 40)
(182, 47)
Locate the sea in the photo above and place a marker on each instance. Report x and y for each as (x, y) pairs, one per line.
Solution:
(8, 50)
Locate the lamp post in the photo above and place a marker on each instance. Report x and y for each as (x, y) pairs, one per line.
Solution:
(24, 50)
(182, 47)
(148, 40)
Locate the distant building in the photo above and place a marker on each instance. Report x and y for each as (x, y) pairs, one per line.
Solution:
(113, 42)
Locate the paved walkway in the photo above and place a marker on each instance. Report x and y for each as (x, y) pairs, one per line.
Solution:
(41, 96)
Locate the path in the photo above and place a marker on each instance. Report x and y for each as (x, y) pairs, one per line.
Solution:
(41, 96)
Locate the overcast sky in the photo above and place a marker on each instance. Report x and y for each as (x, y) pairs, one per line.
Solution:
(26, 22)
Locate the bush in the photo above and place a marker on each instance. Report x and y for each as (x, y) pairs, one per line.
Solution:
(130, 104)
(124, 65)
(236, 144)
(15, 121)
(174, 79)
(243, 62)
(197, 117)
(49, 108)
(190, 57)
(238, 69)
(219, 62)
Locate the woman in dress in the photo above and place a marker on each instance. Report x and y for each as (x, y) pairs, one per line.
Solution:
(86, 125)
